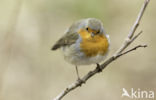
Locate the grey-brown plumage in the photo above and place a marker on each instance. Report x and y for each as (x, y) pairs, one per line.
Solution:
(66, 40)
(73, 39)
(70, 36)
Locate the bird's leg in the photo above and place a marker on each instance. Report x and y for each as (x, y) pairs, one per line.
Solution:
(78, 77)
(98, 67)
(77, 72)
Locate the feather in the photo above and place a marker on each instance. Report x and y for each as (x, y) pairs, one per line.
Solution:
(66, 40)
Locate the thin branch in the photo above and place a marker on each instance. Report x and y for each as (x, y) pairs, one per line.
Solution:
(136, 36)
(127, 43)
(134, 48)
(133, 29)
(129, 39)
(136, 24)
(91, 73)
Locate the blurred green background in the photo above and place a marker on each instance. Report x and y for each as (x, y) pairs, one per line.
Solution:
(29, 70)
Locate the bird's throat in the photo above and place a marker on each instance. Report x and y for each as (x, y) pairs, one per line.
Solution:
(93, 46)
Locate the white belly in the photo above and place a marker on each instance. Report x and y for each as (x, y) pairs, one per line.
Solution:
(73, 55)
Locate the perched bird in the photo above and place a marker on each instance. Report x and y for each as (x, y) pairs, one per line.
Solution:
(84, 43)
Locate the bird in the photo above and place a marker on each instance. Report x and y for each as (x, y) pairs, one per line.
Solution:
(84, 43)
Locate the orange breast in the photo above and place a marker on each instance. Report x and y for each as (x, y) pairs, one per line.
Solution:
(91, 46)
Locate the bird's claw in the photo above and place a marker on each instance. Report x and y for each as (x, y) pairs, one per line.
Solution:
(99, 68)
(80, 81)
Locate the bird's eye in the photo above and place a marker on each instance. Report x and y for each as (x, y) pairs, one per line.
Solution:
(87, 28)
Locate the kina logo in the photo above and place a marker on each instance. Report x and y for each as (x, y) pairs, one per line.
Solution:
(137, 94)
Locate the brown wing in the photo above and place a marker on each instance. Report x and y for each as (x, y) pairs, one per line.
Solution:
(66, 40)
(70, 37)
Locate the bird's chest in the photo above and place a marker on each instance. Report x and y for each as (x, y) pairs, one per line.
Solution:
(97, 45)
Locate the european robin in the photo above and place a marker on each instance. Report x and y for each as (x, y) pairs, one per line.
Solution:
(85, 42)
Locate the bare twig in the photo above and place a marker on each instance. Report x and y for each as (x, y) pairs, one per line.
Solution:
(91, 73)
(129, 39)
(134, 48)
(134, 27)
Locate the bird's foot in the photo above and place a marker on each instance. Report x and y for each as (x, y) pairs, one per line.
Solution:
(80, 81)
(98, 67)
